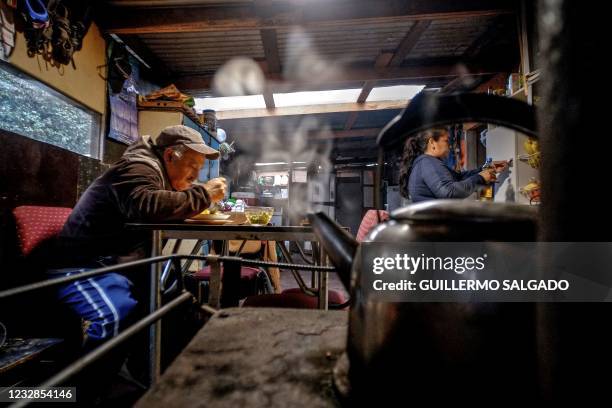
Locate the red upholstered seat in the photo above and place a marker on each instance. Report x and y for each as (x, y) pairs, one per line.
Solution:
(333, 296)
(249, 282)
(369, 221)
(292, 298)
(246, 273)
(36, 224)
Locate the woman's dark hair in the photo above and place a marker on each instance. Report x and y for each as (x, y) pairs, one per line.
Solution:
(413, 148)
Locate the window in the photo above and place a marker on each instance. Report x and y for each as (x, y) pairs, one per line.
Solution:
(34, 110)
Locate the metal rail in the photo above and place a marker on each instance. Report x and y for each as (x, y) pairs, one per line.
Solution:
(152, 318)
(125, 266)
(100, 351)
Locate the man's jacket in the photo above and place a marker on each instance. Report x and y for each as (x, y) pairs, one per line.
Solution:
(135, 189)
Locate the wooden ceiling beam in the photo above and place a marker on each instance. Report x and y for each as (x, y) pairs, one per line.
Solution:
(350, 120)
(381, 61)
(270, 45)
(408, 42)
(394, 59)
(418, 74)
(310, 110)
(269, 99)
(314, 136)
(276, 14)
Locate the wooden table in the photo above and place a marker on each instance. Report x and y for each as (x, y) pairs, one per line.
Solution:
(180, 231)
(256, 357)
(231, 272)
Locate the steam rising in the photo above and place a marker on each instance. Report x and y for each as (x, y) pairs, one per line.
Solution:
(239, 76)
(303, 63)
(282, 139)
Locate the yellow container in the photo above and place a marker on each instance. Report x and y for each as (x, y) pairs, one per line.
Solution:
(486, 194)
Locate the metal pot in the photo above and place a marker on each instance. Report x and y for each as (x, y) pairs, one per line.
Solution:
(439, 352)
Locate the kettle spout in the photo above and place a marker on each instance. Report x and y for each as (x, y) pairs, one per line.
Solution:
(337, 243)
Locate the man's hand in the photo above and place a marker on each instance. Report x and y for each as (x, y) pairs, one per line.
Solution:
(488, 175)
(216, 188)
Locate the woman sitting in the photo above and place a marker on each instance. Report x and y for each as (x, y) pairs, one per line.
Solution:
(424, 176)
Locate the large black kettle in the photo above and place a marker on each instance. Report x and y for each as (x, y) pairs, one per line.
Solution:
(439, 352)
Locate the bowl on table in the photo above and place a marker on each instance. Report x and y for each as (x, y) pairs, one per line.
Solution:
(259, 215)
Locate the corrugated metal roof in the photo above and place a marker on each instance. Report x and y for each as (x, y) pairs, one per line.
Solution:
(203, 53)
(351, 44)
(449, 38)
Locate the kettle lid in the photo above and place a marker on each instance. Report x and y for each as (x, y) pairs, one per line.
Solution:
(466, 211)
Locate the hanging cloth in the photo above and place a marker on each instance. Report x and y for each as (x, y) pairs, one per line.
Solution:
(7, 30)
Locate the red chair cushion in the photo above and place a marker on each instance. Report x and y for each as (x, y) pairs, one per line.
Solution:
(369, 221)
(36, 224)
(291, 298)
(246, 273)
(333, 296)
(249, 285)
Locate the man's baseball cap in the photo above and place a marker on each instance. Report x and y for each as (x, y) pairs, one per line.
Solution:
(183, 135)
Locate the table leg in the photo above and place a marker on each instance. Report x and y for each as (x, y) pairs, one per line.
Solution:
(197, 249)
(154, 304)
(323, 283)
(314, 283)
(230, 286)
(322, 277)
(168, 265)
(214, 288)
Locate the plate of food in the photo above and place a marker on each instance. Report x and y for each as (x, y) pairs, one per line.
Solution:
(209, 222)
(208, 216)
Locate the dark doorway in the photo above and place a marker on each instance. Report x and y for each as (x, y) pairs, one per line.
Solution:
(349, 202)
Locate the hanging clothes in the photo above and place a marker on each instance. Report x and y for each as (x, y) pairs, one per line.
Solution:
(124, 107)
(7, 30)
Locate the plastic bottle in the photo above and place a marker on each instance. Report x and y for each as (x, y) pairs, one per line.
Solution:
(239, 207)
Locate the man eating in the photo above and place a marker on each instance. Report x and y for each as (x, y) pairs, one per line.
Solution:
(154, 181)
